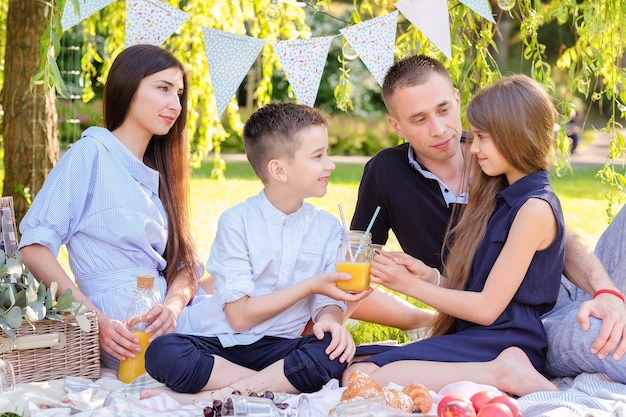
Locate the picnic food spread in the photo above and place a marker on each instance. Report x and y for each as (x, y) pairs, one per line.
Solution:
(412, 398)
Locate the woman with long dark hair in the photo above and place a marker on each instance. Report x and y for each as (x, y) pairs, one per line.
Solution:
(118, 200)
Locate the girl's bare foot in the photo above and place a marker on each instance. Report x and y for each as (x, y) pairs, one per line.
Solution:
(517, 375)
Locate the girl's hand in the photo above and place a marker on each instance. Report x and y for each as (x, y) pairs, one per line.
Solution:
(414, 266)
(341, 342)
(396, 270)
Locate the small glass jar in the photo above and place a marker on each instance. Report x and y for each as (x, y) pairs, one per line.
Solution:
(7, 376)
(354, 256)
(251, 406)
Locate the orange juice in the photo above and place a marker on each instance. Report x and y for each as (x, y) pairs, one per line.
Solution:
(132, 368)
(360, 272)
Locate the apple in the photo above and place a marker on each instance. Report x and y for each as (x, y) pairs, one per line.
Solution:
(508, 401)
(495, 410)
(450, 397)
(458, 408)
(481, 398)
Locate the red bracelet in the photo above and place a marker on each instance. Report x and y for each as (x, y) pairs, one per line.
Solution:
(607, 291)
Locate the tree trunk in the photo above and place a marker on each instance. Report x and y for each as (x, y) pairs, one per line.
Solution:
(31, 144)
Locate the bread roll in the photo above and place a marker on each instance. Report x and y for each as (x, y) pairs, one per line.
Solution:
(421, 397)
(398, 400)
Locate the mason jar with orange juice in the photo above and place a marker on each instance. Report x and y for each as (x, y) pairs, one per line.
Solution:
(131, 368)
(355, 257)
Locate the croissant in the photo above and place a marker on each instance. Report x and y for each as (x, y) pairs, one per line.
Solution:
(360, 385)
(421, 397)
(398, 400)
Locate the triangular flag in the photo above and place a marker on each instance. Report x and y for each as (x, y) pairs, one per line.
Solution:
(230, 56)
(374, 41)
(481, 7)
(431, 18)
(303, 62)
(151, 22)
(86, 8)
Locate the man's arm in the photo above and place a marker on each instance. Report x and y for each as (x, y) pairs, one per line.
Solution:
(583, 268)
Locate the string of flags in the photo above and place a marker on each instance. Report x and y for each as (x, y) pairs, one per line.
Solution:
(231, 55)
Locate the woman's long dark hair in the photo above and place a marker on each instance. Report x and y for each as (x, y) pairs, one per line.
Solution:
(168, 154)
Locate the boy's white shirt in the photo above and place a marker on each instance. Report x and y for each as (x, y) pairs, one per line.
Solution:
(258, 250)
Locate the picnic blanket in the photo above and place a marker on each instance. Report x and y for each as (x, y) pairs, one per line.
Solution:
(587, 395)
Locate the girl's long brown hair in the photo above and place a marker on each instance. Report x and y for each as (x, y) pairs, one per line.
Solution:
(519, 115)
(167, 154)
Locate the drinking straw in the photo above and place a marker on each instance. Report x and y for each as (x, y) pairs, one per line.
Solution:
(345, 231)
(369, 227)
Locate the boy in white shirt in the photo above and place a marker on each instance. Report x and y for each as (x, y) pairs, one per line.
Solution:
(273, 261)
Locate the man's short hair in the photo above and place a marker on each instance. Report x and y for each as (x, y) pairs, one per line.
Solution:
(410, 71)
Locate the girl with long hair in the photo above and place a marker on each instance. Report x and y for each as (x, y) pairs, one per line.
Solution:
(504, 255)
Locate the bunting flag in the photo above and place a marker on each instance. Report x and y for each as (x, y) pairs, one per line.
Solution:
(431, 18)
(230, 56)
(303, 61)
(481, 7)
(151, 21)
(69, 18)
(374, 42)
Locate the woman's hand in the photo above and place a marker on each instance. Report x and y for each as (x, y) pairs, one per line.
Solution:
(116, 339)
(161, 319)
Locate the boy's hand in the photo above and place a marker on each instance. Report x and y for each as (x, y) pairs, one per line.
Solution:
(325, 284)
(341, 342)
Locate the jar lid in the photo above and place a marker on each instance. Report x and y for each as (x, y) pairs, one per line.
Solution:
(145, 281)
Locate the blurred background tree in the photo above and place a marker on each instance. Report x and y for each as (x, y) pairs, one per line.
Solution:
(575, 48)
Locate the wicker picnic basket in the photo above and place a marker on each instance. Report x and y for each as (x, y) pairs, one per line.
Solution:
(53, 350)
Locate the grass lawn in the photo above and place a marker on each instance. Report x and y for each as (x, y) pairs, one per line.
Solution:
(581, 193)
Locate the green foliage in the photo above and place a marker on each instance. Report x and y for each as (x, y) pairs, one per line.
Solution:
(347, 134)
(22, 298)
(586, 61)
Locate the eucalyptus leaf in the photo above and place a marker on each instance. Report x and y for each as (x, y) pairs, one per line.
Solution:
(49, 297)
(9, 297)
(31, 294)
(83, 323)
(4, 325)
(42, 293)
(54, 315)
(65, 300)
(54, 287)
(14, 317)
(35, 311)
(14, 267)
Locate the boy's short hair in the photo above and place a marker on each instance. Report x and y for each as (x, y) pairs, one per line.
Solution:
(272, 131)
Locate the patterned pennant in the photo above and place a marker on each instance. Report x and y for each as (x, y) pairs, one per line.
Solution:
(86, 9)
(374, 41)
(151, 21)
(230, 56)
(303, 62)
(430, 17)
(481, 7)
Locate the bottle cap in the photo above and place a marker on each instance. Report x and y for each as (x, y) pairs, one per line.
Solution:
(145, 281)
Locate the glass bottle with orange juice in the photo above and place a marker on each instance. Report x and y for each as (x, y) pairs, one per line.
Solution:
(355, 257)
(131, 368)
